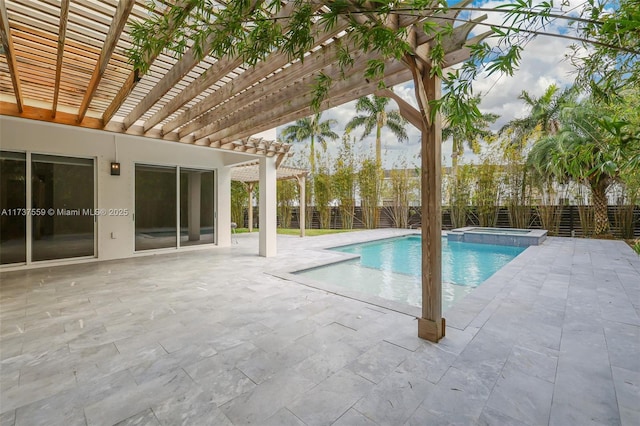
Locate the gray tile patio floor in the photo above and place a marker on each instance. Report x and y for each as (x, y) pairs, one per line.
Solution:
(206, 337)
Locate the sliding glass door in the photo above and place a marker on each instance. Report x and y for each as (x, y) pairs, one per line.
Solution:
(169, 199)
(156, 212)
(43, 201)
(63, 189)
(13, 206)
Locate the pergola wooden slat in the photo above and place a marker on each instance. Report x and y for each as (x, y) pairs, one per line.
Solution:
(64, 14)
(9, 53)
(119, 21)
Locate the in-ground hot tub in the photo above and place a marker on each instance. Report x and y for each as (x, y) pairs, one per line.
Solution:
(502, 236)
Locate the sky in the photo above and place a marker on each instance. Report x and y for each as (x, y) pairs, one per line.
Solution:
(543, 63)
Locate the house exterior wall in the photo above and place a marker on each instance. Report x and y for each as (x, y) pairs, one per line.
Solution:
(115, 234)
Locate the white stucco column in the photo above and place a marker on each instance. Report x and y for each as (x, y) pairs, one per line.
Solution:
(268, 215)
(224, 206)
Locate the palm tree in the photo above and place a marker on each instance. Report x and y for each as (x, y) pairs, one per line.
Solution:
(376, 117)
(591, 148)
(311, 128)
(543, 116)
(463, 134)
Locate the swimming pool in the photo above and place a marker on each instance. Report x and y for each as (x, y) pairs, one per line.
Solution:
(391, 269)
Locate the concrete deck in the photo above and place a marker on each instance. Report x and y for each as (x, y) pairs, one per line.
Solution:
(206, 337)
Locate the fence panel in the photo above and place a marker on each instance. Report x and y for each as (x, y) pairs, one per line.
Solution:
(569, 220)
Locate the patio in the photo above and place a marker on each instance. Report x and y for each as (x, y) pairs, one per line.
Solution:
(207, 337)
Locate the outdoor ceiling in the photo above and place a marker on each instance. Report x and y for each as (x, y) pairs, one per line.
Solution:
(65, 62)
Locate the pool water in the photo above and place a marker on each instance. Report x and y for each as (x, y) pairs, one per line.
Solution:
(391, 268)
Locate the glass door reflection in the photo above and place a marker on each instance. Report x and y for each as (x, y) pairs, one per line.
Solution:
(62, 188)
(13, 204)
(196, 207)
(155, 212)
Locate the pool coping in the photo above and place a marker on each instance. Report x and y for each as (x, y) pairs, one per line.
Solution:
(464, 313)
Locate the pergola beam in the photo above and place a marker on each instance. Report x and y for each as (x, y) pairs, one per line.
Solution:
(411, 114)
(299, 106)
(342, 92)
(272, 64)
(64, 14)
(303, 75)
(7, 46)
(113, 36)
(44, 114)
(188, 61)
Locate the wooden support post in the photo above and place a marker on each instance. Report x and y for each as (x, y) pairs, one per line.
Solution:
(303, 203)
(431, 326)
(250, 186)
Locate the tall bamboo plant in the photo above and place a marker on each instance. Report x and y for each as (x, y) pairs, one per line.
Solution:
(460, 196)
(586, 212)
(625, 215)
(369, 186)
(517, 188)
(239, 200)
(344, 182)
(486, 194)
(323, 194)
(287, 195)
(549, 211)
(401, 181)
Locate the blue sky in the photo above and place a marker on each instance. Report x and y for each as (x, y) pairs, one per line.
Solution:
(543, 63)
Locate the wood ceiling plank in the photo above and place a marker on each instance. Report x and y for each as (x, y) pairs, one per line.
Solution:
(31, 36)
(32, 25)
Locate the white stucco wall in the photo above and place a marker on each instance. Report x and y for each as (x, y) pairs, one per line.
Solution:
(117, 192)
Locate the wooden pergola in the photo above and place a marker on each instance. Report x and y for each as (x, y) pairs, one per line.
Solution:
(65, 62)
(249, 174)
